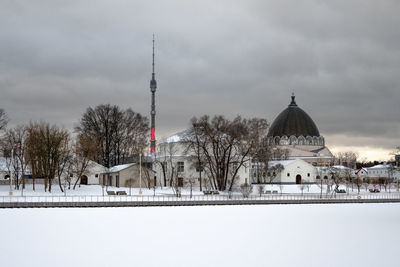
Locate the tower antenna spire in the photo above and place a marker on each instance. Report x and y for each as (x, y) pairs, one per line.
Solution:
(153, 74)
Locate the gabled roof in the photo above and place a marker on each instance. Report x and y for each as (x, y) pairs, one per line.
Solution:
(358, 170)
(285, 162)
(119, 168)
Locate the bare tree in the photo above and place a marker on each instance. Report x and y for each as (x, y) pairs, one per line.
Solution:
(83, 151)
(119, 135)
(3, 119)
(321, 172)
(347, 174)
(225, 145)
(366, 183)
(169, 159)
(44, 147)
(274, 171)
(391, 170)
(191, 181)
(162, 161)
(148, 178)
(64, 160)
(358, 182)
(260, 189)
(135, 135)
(302, 187)
(385, 182)
(246, 189)
(194, 144)
(15, 140)
(172, 168)
(336, 178)
(347, 159)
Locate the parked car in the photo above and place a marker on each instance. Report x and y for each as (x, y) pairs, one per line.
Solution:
(340, 191)
(210, 192)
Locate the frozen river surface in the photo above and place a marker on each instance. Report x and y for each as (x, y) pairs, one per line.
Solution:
(273, 235)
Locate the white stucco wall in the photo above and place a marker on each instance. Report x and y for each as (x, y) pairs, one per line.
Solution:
(307, 172)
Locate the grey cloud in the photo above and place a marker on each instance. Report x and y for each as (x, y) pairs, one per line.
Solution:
(228, 57)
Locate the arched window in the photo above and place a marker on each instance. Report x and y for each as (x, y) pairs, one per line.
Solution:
(277, 140)
(309, 140)
(268, 141)
(284, 140)
(315, 141)
(301, 140)
(293, 140)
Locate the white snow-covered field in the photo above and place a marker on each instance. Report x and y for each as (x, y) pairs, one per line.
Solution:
(97, 190)
(273, 235)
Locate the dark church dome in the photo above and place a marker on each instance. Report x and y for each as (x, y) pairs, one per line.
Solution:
(293, 121)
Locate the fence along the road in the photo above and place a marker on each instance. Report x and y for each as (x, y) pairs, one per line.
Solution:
(210, 198)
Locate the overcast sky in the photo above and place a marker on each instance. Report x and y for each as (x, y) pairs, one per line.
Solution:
(341, 58)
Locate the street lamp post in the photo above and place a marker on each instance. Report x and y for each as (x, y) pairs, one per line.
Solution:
(11, 171)
(140, 173)
(22, 170)
(102, 184)
(130, 186)
(65, 185)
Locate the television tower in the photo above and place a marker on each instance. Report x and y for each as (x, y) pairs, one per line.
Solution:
(153, 87)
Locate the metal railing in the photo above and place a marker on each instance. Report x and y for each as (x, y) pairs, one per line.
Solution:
(198, 198)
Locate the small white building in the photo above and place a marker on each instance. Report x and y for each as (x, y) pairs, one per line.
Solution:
(383, 171)
(127, 175)
(92, 173)
(90, 176)
(328, 172)
(296, 171)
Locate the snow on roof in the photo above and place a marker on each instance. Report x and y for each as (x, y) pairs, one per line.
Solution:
(341, 167)
(333, 168)
(177, 137)
(282, 162)
(118, 168)
(379, 166)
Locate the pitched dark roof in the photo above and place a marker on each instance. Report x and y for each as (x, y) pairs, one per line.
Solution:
(293, 121)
